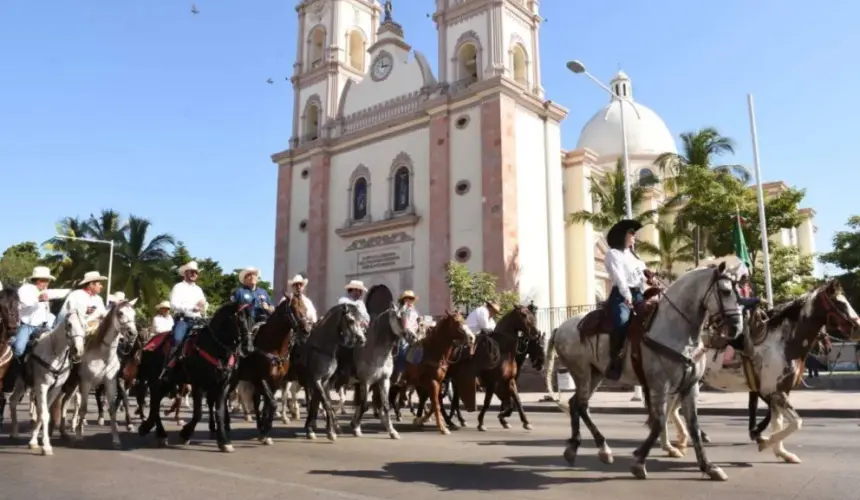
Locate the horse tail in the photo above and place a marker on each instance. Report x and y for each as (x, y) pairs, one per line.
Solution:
(550, 364)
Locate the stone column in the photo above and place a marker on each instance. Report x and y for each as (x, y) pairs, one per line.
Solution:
(806, 233)
(282, 228)
(579, 238)
(439, 216)
(318, 229)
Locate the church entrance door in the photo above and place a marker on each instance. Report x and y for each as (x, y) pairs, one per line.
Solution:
(379, 298)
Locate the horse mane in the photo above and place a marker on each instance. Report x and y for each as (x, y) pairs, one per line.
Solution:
(9, 297)
(106, 323)
(789, 311)
(223, 312)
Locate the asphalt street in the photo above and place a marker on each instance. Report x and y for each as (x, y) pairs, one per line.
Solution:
(496, 464)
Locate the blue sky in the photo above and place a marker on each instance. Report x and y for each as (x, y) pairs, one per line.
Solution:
(147, 109)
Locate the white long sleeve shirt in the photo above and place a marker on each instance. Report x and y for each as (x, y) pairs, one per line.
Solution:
(32, 312)
(185, 297)
(81, 300)
(625, 270)
(362, 309)
(479, 319)
(161, 324)
(412, 319)
(309, 307)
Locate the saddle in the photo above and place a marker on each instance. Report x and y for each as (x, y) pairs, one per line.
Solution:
(600, 321)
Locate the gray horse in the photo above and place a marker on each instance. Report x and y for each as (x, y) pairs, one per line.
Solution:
(374, 364)
(317, 361)
(671, 360)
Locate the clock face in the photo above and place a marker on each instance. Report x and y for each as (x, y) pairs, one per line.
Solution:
(382, 66)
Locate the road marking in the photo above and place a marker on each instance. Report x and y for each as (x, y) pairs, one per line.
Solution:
(249, 477)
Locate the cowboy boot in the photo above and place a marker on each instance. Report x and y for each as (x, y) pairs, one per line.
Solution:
(616, 343)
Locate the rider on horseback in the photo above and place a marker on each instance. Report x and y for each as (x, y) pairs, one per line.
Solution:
(162, 322)
(298, 283)
(483, 319)
(86, 299)
(188, 303)
(407, 300)
(34, 310)
(252, 295)
(354, 290)
(627, 274)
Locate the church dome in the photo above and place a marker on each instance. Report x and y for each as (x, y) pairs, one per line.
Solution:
(646, 131)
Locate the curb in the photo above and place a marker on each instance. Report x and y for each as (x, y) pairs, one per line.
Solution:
(705, 411)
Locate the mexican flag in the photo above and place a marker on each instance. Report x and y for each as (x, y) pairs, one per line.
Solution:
(741, 250)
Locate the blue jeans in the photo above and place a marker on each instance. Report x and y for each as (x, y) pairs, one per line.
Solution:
(180, 330)
(749, 303)
(620, 312)
(22, 337)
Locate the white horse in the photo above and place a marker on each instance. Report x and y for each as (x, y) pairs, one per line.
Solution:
(49, 364)
(779, 351)
(669, 354)
(100, 365)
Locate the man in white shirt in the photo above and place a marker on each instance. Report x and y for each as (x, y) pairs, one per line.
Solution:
(483, 319)
(86, 300)
(407, 300)
(354, 290)
(33, 308)
(298, 284)
(187, 301)
(162, 322)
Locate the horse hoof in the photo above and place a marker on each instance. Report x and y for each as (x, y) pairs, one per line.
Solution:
(673, 452)
(482, 428)
(180, 423)
(312, 435)
(716, 474)
(570, 455)
(398, 418)
(444, 431)
(33, 446)
(249, 418)
(331, 436)
(47, 452)
(639, 471)
(100, 421)
(267, 441)
(357, 432)
(606, 457)
(418, 421)
(506, 425)
(763, 444)
(706, 438)
(226, 448)
(527, 426)
(130, 428)
(789, 458)
(186, 442)
(117, 445)
(394, 435)
(161, 443)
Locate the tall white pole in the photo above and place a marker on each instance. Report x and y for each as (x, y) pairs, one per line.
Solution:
(760, 194)
(626, 159)
(110, 269)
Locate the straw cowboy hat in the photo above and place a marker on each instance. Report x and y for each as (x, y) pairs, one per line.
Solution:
(91, 277)
(116, 297)
(164, 304)
(408, 294)
(41, 273)
(190, 266)
(298, 279)
(244, 273)
(355, 285)
(493, 305)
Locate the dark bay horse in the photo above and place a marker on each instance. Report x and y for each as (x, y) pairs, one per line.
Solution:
(265, 368)
(210, 357)
(9, 320)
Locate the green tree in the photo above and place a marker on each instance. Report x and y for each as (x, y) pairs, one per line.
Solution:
(470, 290)
(69, 259)
(18, 261)
(846, 247)
(217, 286)
(790, 274)
(609, 197)
(675, 246)
(700, 148)
(141, 262)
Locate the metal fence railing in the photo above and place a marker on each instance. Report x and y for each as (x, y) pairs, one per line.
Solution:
(550, 318)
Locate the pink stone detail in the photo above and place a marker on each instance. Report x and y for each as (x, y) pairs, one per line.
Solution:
(317, 271)
(440, 213)
(282, 227)
(499, 190)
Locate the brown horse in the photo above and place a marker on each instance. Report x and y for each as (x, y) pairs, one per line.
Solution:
(494, 362)
(266, 367)
(9, 319)
(427, 364)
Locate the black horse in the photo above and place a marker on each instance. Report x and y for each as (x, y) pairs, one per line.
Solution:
(208, 362)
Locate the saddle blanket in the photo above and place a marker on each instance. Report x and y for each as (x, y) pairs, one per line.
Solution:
(414, 354)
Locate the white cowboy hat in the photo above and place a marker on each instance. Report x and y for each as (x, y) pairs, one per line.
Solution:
(41, 273)
(408, 294)
(355, 285)
(298, 279)
(116, 297)
(245, 272)
(90, 277)
(164, 304)
(191, 266)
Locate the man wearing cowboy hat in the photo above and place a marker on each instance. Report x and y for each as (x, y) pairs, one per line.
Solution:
(483, 318)
(354, 290)
(33, 308)
(85, 298)
(115, 298)
(298, 284)
(407, 300)
(187, 301)
(162, 322)
(249, 293)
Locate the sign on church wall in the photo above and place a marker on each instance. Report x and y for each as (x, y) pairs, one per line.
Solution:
(380, 254)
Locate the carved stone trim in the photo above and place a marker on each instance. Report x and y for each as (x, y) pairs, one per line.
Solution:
(379, 240)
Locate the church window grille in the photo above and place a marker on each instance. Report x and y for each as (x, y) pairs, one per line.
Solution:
(401, 189)
(359, 199)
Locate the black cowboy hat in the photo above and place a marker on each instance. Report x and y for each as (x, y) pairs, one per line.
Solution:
(616, 234)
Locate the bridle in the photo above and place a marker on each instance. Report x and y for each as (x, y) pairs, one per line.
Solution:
(834, 315)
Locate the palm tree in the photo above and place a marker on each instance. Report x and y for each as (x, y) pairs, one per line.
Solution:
(609, 197)
(675, 246)
(68, 258)
(700, 148)
(108, 226)
(141, 264)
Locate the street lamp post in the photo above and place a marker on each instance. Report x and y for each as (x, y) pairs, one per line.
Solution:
(578, 68)
(110, 257)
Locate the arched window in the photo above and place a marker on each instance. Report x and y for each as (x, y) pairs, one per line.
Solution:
(359, 199)
(518, 62)
(316, 46)
(468, 59)
(312, 119)
(357, 50)
(401, 189)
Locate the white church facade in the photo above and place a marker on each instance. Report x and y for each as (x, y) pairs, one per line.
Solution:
(393, 171)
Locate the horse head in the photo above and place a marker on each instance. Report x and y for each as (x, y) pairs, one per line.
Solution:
(9, 315)
(840, 316)
(75, 327)
(122, 319)
(298, 314)
(717, 288)
(453, 326)
(397, 318)
(232, 325)
(535, 351)
(350, 325)
(523, 320)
